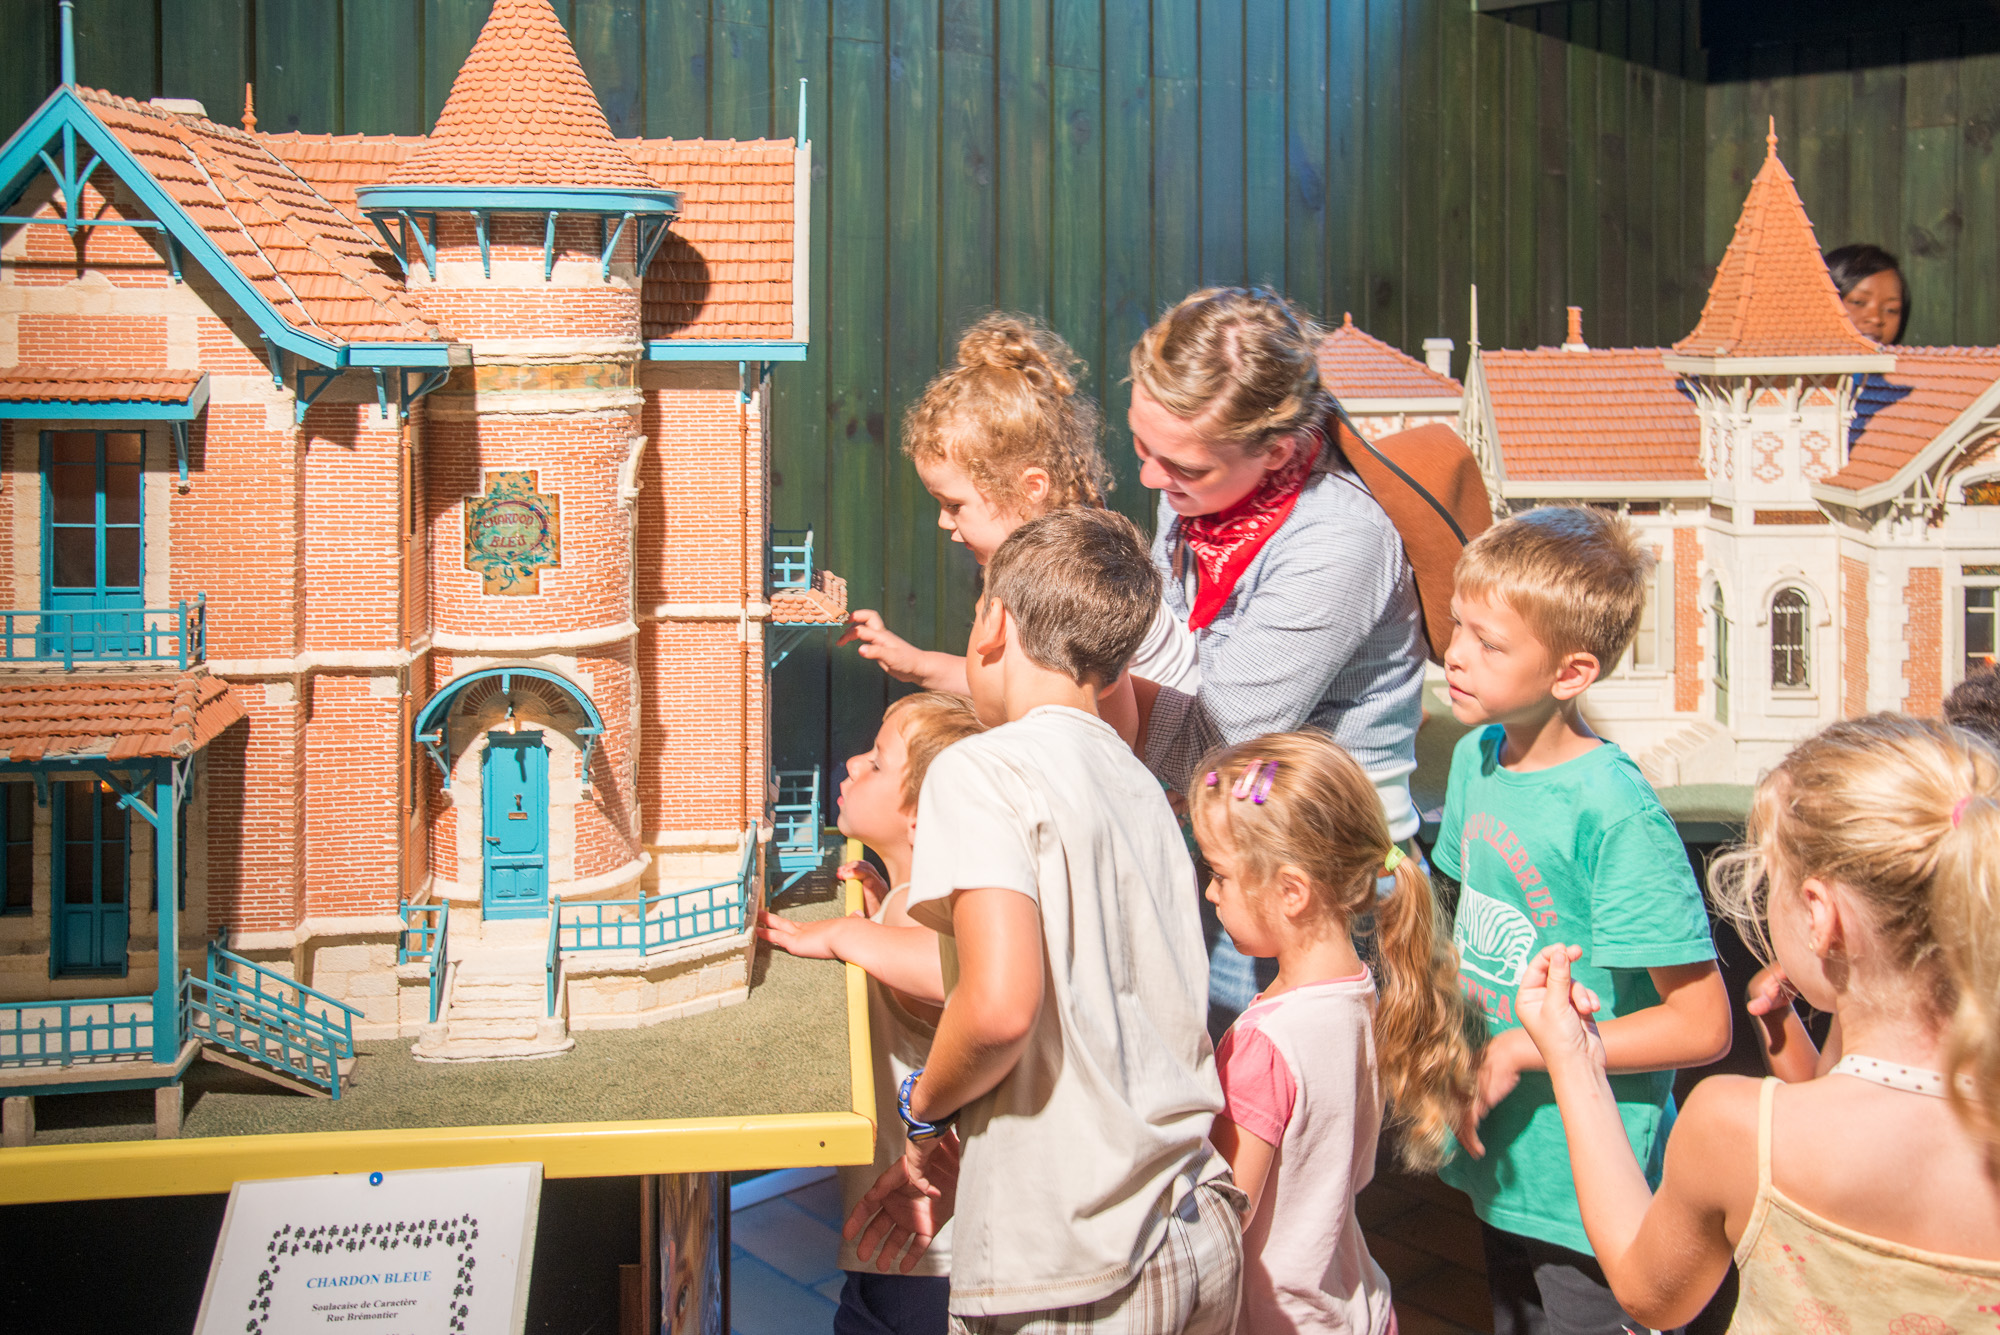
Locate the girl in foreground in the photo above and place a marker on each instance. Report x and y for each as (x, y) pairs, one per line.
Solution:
(1867, 1199)
(1294, 834)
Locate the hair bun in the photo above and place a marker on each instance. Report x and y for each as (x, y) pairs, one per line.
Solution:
(1013, 343)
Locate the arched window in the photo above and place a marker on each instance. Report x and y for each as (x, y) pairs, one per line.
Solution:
(1719, 623)
(1789, 622)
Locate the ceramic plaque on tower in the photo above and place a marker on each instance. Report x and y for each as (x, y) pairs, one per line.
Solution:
(512, 533)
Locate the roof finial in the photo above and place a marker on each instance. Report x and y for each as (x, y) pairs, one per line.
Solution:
(1771, 138)
(1347, 319)
(250, 108)
(1475, 317)
(67, 11)
(1575, 343)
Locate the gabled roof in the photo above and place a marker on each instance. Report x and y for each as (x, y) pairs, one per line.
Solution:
(521, 112)
(1598, 415)
(306, 258)
(1772, 295)
(1354, 364)
(725, 272)
(303, 271)
(113, 715)
(1900, 416)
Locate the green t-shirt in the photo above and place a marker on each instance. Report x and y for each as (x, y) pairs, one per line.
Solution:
(1581, 854)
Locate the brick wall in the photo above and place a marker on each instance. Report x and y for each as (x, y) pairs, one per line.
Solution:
(257, 805)
(353, 798)
(1687, 620)
(1923, 669)
(1853, 636)
(353, 544)
(237, 533)
(692, 761)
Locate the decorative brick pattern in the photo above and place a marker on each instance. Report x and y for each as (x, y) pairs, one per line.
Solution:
(1687, 620)
(1853, 637)
(1923, 633)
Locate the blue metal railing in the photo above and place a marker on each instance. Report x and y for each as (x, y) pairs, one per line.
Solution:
(555, 946)
(423, 942)
(791, 559)
(655, 922)
(795, 818)
(255, 1012)
(61, 1033)
(175, 634)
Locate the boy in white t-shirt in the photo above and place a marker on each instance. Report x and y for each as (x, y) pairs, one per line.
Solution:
(1073, 1051)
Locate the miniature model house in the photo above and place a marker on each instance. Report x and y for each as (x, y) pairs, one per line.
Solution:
(392, 593)
(1385, 390)
(1826, 510)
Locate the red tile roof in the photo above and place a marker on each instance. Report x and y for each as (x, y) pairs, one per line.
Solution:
(1602, 415)
(1772, 296)
(113, 715)
(824, 604)
(725, 272)
(521, 112)
(313, 264)
(68, 384)
(1355, 364)
(1898, 414)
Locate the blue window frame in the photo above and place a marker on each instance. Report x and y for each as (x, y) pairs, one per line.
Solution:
(17, 846)
(93, 556)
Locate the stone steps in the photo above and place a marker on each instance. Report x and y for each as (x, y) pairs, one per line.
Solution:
(496, 1010)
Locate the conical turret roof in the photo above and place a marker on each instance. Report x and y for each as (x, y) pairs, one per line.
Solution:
(521, 113)
(1772, 295)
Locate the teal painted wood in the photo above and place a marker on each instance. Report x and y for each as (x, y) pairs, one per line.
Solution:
(1222, 165)
(118, 46)
(1613, 224)
(1381, 313)
(676, 50)
(1129, 304)
(1346, 149)
(298, 87)
(383, 94)
(1587, 63)
(205, 54)
(515, 832)
(1453, 225)
(1979, 168)
(1264, 187)
(1521, 325)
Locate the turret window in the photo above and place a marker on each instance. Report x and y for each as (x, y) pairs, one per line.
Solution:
(1790, 621)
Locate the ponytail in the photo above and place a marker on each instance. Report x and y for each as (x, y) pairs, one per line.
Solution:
(1317, 811)
(1421, 1047)
(1965, 896)
(1905, 814)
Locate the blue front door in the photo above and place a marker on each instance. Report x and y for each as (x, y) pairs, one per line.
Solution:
(515, 776)
(89, 880)
(92, 541)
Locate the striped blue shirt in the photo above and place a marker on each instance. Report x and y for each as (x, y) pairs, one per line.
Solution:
(1322, 631)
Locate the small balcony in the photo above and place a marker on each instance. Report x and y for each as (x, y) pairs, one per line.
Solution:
(791, 559)
(44, 637)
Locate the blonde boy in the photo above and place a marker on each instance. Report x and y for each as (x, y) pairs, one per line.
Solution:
(1073, 1050)
(878, 806)
(1555, 836)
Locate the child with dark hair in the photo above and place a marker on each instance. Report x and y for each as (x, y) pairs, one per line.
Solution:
(1974, 705)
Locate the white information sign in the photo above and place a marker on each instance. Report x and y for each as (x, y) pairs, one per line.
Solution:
(442, 1251)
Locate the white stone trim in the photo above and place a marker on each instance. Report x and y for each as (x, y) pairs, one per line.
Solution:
(325, 660)
(553, 351)
(1857, 364)
(708, 612)
(531, 644)
(459, 893)
(286, 938)
(1618, 490)
(575, 402)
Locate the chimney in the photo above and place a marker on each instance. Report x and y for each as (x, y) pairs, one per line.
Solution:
(1575, 343)
(1437, 355)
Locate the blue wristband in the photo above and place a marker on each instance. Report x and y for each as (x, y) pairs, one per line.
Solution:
(918, 1130)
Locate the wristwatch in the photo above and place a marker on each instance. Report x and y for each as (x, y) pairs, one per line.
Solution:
(919, 1130)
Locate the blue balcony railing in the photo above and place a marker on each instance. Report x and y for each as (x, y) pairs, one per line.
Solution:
(63, 1033)
(655, 922)
(796, 829)
(791, 559)
(423, 942)
(258, 1013)
(176, 634)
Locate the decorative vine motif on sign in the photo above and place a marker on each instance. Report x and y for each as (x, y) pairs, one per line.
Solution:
(325, 1239)
(513, 532)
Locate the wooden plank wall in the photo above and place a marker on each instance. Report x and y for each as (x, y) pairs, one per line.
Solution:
(1887, 122)
(1089, 161)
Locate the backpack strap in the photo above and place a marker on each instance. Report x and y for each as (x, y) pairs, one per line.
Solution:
(1408, 481)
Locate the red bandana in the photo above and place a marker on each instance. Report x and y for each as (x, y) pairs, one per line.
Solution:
(1225, 542)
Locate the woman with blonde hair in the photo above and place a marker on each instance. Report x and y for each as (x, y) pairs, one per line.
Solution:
(1289, 575)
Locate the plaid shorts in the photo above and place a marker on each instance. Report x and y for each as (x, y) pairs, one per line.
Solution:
(1189, 1286)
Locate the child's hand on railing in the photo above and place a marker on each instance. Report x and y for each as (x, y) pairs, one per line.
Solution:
(873, 888)
(806, 940)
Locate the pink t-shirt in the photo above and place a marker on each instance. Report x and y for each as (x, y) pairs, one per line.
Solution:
(1298, 1072)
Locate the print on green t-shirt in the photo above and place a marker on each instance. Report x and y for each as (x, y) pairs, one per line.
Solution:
(1581, 854)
